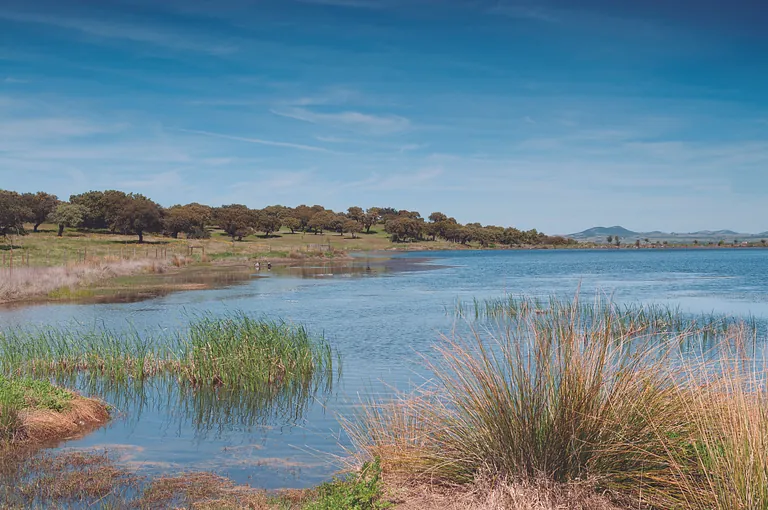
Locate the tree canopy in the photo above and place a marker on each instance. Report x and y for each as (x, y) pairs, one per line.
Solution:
(132, 213)
(14, 211)
(40, 205)
(136, 214)
(68, 215)
(234, 219)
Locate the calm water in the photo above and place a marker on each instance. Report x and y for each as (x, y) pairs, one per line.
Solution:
(380, 322)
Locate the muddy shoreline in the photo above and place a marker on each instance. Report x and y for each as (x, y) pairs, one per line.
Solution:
(216, 275)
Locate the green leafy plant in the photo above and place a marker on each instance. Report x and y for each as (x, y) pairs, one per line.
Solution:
(360, 491)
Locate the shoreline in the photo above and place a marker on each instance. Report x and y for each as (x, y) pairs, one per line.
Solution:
(150, 278)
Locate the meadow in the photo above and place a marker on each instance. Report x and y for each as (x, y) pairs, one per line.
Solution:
(90, 265)
(45, 248)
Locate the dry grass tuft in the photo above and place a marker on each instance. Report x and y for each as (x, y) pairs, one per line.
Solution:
(482, 495)
(577, 402)
(44, 425)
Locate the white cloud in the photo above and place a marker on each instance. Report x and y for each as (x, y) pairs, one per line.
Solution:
(260, 141)
(357, 121)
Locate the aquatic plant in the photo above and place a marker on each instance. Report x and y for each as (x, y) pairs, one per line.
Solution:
(231, 369)
(232, 352)
(568, 392)
(624, 319)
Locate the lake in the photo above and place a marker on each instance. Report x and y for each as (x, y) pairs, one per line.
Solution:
(381, 322)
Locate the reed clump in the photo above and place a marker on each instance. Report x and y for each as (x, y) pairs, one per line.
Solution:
(234, 352)
(654, 412)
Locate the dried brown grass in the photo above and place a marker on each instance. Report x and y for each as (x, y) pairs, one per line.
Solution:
(30, 282)
(484, 495)
(575, 403)
(44, 425)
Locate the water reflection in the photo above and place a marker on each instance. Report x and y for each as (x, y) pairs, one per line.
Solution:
(208, 411)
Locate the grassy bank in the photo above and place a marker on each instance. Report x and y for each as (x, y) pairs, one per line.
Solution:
(28, 283)
(650, 412)
(35, 411)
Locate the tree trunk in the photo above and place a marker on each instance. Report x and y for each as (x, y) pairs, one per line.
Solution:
(34, 229)
(141, 236)
(61, 229)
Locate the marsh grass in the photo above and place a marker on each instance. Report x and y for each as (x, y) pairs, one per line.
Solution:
(234, 352)
(234, 369)
(624, 319)
(655, 409)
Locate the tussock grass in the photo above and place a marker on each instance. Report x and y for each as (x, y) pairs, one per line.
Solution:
(725, 462)
(652, 409)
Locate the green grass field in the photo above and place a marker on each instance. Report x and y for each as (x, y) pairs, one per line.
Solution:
(44, 248)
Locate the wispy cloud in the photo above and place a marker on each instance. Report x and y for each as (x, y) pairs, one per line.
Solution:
(410, 147)
(260, 141)
(526, 11)
(142, 33)
(336, 139)
(397, 182)
(373, 124)
(158, 181)
(355, 4)
(50, 128)
(11, 79)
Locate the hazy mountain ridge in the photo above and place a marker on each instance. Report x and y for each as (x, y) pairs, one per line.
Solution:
(601, 233)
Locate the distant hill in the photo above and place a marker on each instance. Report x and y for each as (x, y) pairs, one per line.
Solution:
(603, 232)
(716, 233)
(600, 234)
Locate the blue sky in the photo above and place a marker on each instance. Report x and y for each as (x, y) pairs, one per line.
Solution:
(557, 115)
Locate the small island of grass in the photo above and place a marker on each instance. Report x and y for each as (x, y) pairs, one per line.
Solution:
(36, 411)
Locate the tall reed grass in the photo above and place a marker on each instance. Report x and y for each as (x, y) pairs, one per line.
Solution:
(572, 392)
(234, 352)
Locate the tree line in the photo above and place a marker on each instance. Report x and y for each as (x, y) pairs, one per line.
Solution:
(132, 213)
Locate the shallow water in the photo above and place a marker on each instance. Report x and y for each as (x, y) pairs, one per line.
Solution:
(380, 320)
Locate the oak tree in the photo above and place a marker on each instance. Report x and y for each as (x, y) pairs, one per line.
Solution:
(40, 204)
(67, 215)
